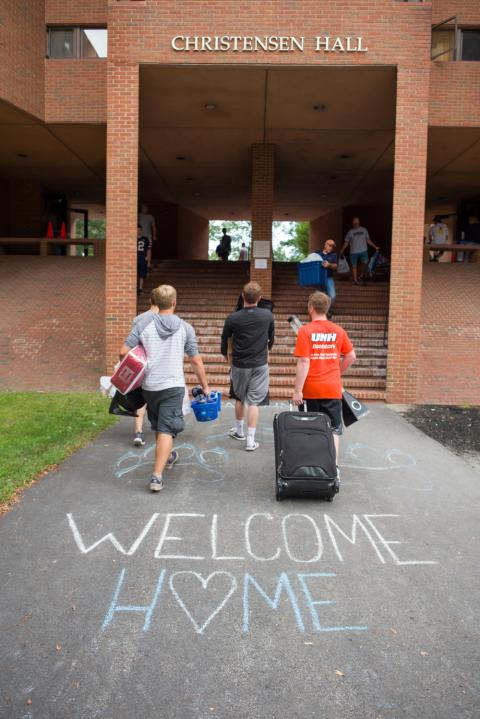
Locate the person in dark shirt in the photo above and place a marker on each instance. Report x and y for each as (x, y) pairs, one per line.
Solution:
(329, 261)
(252, 332)
(225, 245)
(143, 247)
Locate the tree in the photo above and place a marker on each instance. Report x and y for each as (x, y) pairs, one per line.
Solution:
(294, 244)
(239, 230)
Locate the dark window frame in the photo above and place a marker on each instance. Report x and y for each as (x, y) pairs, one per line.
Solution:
(77, 41)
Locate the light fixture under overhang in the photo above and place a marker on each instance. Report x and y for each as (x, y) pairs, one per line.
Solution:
(196, 194)
(319, 107)
(21, 154)
(210, 106)
(180, 157)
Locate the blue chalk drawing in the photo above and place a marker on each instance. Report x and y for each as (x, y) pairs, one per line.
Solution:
(362, 456)
(312, 603)
(200, 628)
(282, 585)
(147, 609)
(211, 461)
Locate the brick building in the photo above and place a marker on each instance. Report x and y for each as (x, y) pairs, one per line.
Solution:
(259, 110)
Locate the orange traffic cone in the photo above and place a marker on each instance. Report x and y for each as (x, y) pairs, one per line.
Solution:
(49, 230)
(63, 231)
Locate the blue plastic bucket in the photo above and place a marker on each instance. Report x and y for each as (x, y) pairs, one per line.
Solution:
(208, 410)
(311, 274)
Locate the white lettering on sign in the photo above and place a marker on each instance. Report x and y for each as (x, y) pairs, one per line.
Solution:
(265, 43)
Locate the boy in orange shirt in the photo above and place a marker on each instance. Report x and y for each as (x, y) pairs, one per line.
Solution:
(324, 352)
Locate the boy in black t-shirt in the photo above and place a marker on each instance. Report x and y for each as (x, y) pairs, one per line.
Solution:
(143, 246)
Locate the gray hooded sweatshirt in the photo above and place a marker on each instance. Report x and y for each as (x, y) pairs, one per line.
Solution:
(166, 339)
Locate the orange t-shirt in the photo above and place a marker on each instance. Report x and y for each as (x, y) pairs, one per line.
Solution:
(322, 342)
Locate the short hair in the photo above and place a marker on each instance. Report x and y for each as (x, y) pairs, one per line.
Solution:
(139, 227)
(330, 240)
(224, 229)
(252, 292)
(320, 302)
(163, 297)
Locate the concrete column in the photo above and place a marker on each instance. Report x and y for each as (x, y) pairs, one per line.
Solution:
(122, 181)
(263, 171)
(407, 233)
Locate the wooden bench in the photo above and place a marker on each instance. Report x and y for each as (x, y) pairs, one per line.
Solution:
(450, 247)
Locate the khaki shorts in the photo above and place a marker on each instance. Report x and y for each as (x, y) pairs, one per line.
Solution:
(250, 384)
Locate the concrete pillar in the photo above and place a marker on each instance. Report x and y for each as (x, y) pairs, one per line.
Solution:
(122, 180)
(263, 171)
(407, 233)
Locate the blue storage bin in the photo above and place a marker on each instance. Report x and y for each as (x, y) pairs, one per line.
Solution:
(311, 274)
(207, 411)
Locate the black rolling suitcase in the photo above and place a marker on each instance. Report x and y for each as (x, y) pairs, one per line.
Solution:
(305, 458)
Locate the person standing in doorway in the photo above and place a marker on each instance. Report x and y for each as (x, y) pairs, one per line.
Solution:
(324, 352)
(243, 254)
(358, 239)
(437, 235)
(143, 247)
(166, 339)
(225, 245)
(252, 332)
(149, 229)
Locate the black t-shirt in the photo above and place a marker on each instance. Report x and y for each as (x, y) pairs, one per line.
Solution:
(330, 257)
(252, 330)
(143, 245)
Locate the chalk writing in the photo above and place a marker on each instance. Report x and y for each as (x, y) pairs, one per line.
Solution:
(301, 601)
(200, 531)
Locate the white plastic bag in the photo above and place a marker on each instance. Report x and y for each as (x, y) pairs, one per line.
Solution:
(186, 407)
(343, 268)
(312, 257)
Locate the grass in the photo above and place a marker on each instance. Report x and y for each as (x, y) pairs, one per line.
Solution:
(39, 430)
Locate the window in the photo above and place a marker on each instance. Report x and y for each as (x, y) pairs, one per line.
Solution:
(64, 42)
(470, 45)
(443, 45)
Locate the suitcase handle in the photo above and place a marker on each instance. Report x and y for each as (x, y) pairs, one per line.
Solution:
(300, 408)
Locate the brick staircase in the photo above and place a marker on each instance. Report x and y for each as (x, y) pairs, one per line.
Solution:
(208, 291)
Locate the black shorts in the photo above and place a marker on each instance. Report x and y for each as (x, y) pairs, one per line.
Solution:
(164, 409)
(142, 269)
(332, 408)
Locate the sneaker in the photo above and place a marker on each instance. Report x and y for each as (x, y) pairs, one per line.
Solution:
(138, 440)
(234, 434)
(172, 459)
(156, 483)
(252, 447)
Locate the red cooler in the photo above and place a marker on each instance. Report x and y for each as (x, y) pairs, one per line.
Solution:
(129, 373)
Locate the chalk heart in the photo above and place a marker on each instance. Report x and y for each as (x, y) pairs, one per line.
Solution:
(208, 586)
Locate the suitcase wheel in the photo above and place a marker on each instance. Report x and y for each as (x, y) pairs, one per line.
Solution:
(329, 499)
(278, 493)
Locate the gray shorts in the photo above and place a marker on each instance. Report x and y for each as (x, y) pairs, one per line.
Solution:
(250, 384)
(164, 409)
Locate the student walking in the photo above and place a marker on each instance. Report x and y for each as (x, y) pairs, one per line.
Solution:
(166, 339)
(358, 239)
(324, 352)
(143, 248)
(252, 332)
(329, 262)
(149, 229)
(243, 254)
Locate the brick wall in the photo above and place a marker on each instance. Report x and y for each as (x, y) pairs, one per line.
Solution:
(407, 229)
(55, 340)
(76, 90)
(22, 49)
(467, 11)
(192, 235)
(455, 93)
(75, 12)
(122, 179)
(450, 335)
(263, 173)
(326, 227)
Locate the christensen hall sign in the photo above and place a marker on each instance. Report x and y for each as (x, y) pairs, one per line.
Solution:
(265, 43)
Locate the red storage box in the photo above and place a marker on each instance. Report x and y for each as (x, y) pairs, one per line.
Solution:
(129, 373)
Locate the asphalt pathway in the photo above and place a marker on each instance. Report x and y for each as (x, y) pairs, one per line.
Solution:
(211, 599)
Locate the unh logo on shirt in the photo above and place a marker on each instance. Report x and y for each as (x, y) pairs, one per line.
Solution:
(324, 336)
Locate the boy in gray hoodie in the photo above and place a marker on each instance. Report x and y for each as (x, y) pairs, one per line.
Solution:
(166, 338)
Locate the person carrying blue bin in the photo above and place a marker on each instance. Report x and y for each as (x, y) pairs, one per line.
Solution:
(252, 331)
(166, 339)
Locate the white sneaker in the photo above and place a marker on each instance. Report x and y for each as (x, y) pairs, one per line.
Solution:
(234, 434)
(251, 447)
